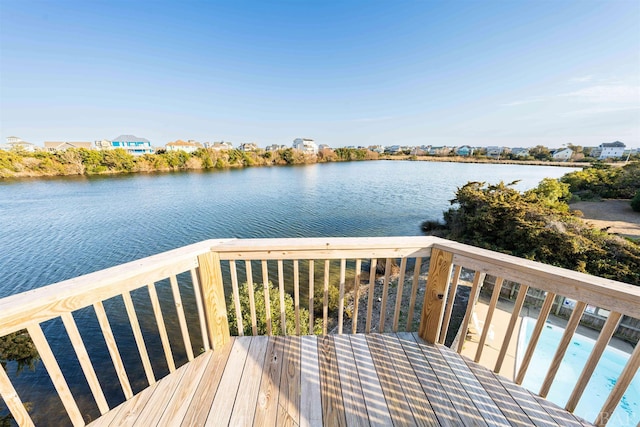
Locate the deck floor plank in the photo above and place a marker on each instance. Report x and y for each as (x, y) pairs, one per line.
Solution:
(310, 397)
(222, 406)
(337, 380)
(451, 385)
(207, 388)
(423, 412)
(440, 402)
(399, 407)
(289, 399)
(487, 407)
(354, 406)
(331, 392)
(267, 404)
(376, 405)
(245, 405)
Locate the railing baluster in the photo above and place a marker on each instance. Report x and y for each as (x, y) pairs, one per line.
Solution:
(517, 306)
(535, 336)
(296, 293)
(478, 279)
(137, 334)
(85, 362)
(162, 330)
(569, 330)
(356, 296)
(622, 382)
(197, 291)
(311, 291)
(487, 321)
(440, 265)
(325, 299)
(103, 321)
(372, 284)
(252, 301)
(267, 297)
(414, 293)
(236, 296)
(385, 291)
(396, 313)
(451, 297)
(606, 333)
(51, 364)
(213, 293)
(182, 321)
(13, 402)
(343, 266)
(283, 316)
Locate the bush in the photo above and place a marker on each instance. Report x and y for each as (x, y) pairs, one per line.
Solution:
(635, 202)
(274, 302)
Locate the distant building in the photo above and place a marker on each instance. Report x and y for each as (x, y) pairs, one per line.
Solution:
(187, 146)
(440, 151)
(465, 150)
(248, 146)
(15, 143)
(611, 150)
(275, 147)
(520, 152)
(494, 152)
(130, 143)
(53, 146)
(323, 147)
(419, 151)
(219, 146)
(306, 145)
(376, 148)
(562, 155)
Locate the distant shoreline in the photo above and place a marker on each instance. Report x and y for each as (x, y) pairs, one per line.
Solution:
(459, 159)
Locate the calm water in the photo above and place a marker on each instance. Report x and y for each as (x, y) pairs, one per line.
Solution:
(56, 229)
(602, 381)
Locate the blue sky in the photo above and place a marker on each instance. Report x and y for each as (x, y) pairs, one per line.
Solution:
(512, 73)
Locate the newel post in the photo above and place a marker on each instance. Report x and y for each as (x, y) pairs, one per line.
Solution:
(440, 267)
(215, 307)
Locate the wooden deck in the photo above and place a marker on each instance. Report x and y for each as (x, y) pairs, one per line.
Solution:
(335, 380)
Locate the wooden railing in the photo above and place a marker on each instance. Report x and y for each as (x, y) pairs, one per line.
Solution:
(387, 283)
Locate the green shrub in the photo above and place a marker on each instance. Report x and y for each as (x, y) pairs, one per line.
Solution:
(274, 302)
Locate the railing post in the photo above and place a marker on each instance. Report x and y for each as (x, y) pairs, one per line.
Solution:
(440, 267)
(215, 306)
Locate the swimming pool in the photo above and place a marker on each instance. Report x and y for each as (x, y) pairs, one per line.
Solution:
(604, 377)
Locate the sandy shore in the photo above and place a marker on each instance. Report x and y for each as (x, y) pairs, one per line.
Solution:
(613, 213)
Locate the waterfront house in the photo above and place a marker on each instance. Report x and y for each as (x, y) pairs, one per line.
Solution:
(130, 143)
(610, 150)
(187, 146)
(53, 146)
(248, 146)
(495, 152)
(15, 143)
(562, 155)
(306, 145)
(275, 147)
(219, 146)
(376, 148)
(440, 151)
(520, 152)
(465, 150)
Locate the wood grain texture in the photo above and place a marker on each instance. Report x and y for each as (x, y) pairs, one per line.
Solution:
(487, 320)
(414, 294)
(266, 410)
(182, 321)
(352, 397)
(236, 296)
(12, 400)
(396, 311)
(437, 284)
(137, 333)
(478, 280)
(289, 399)
(310, 395)
(245, 405)
(515, 314)
(58, 380)
(451, 297)
(200, 307)
(214, 299)
(331, 393)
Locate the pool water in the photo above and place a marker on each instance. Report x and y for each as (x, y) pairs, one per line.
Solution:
(602, 382)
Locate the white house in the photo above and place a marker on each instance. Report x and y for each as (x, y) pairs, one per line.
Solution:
(130, 143)
(562, 155)
(306, 145)
(611, 149)
(53, 146)
(219, 146)
(187, 146)
(16, 143)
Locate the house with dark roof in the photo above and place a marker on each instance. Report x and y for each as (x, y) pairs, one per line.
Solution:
(611, 150)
